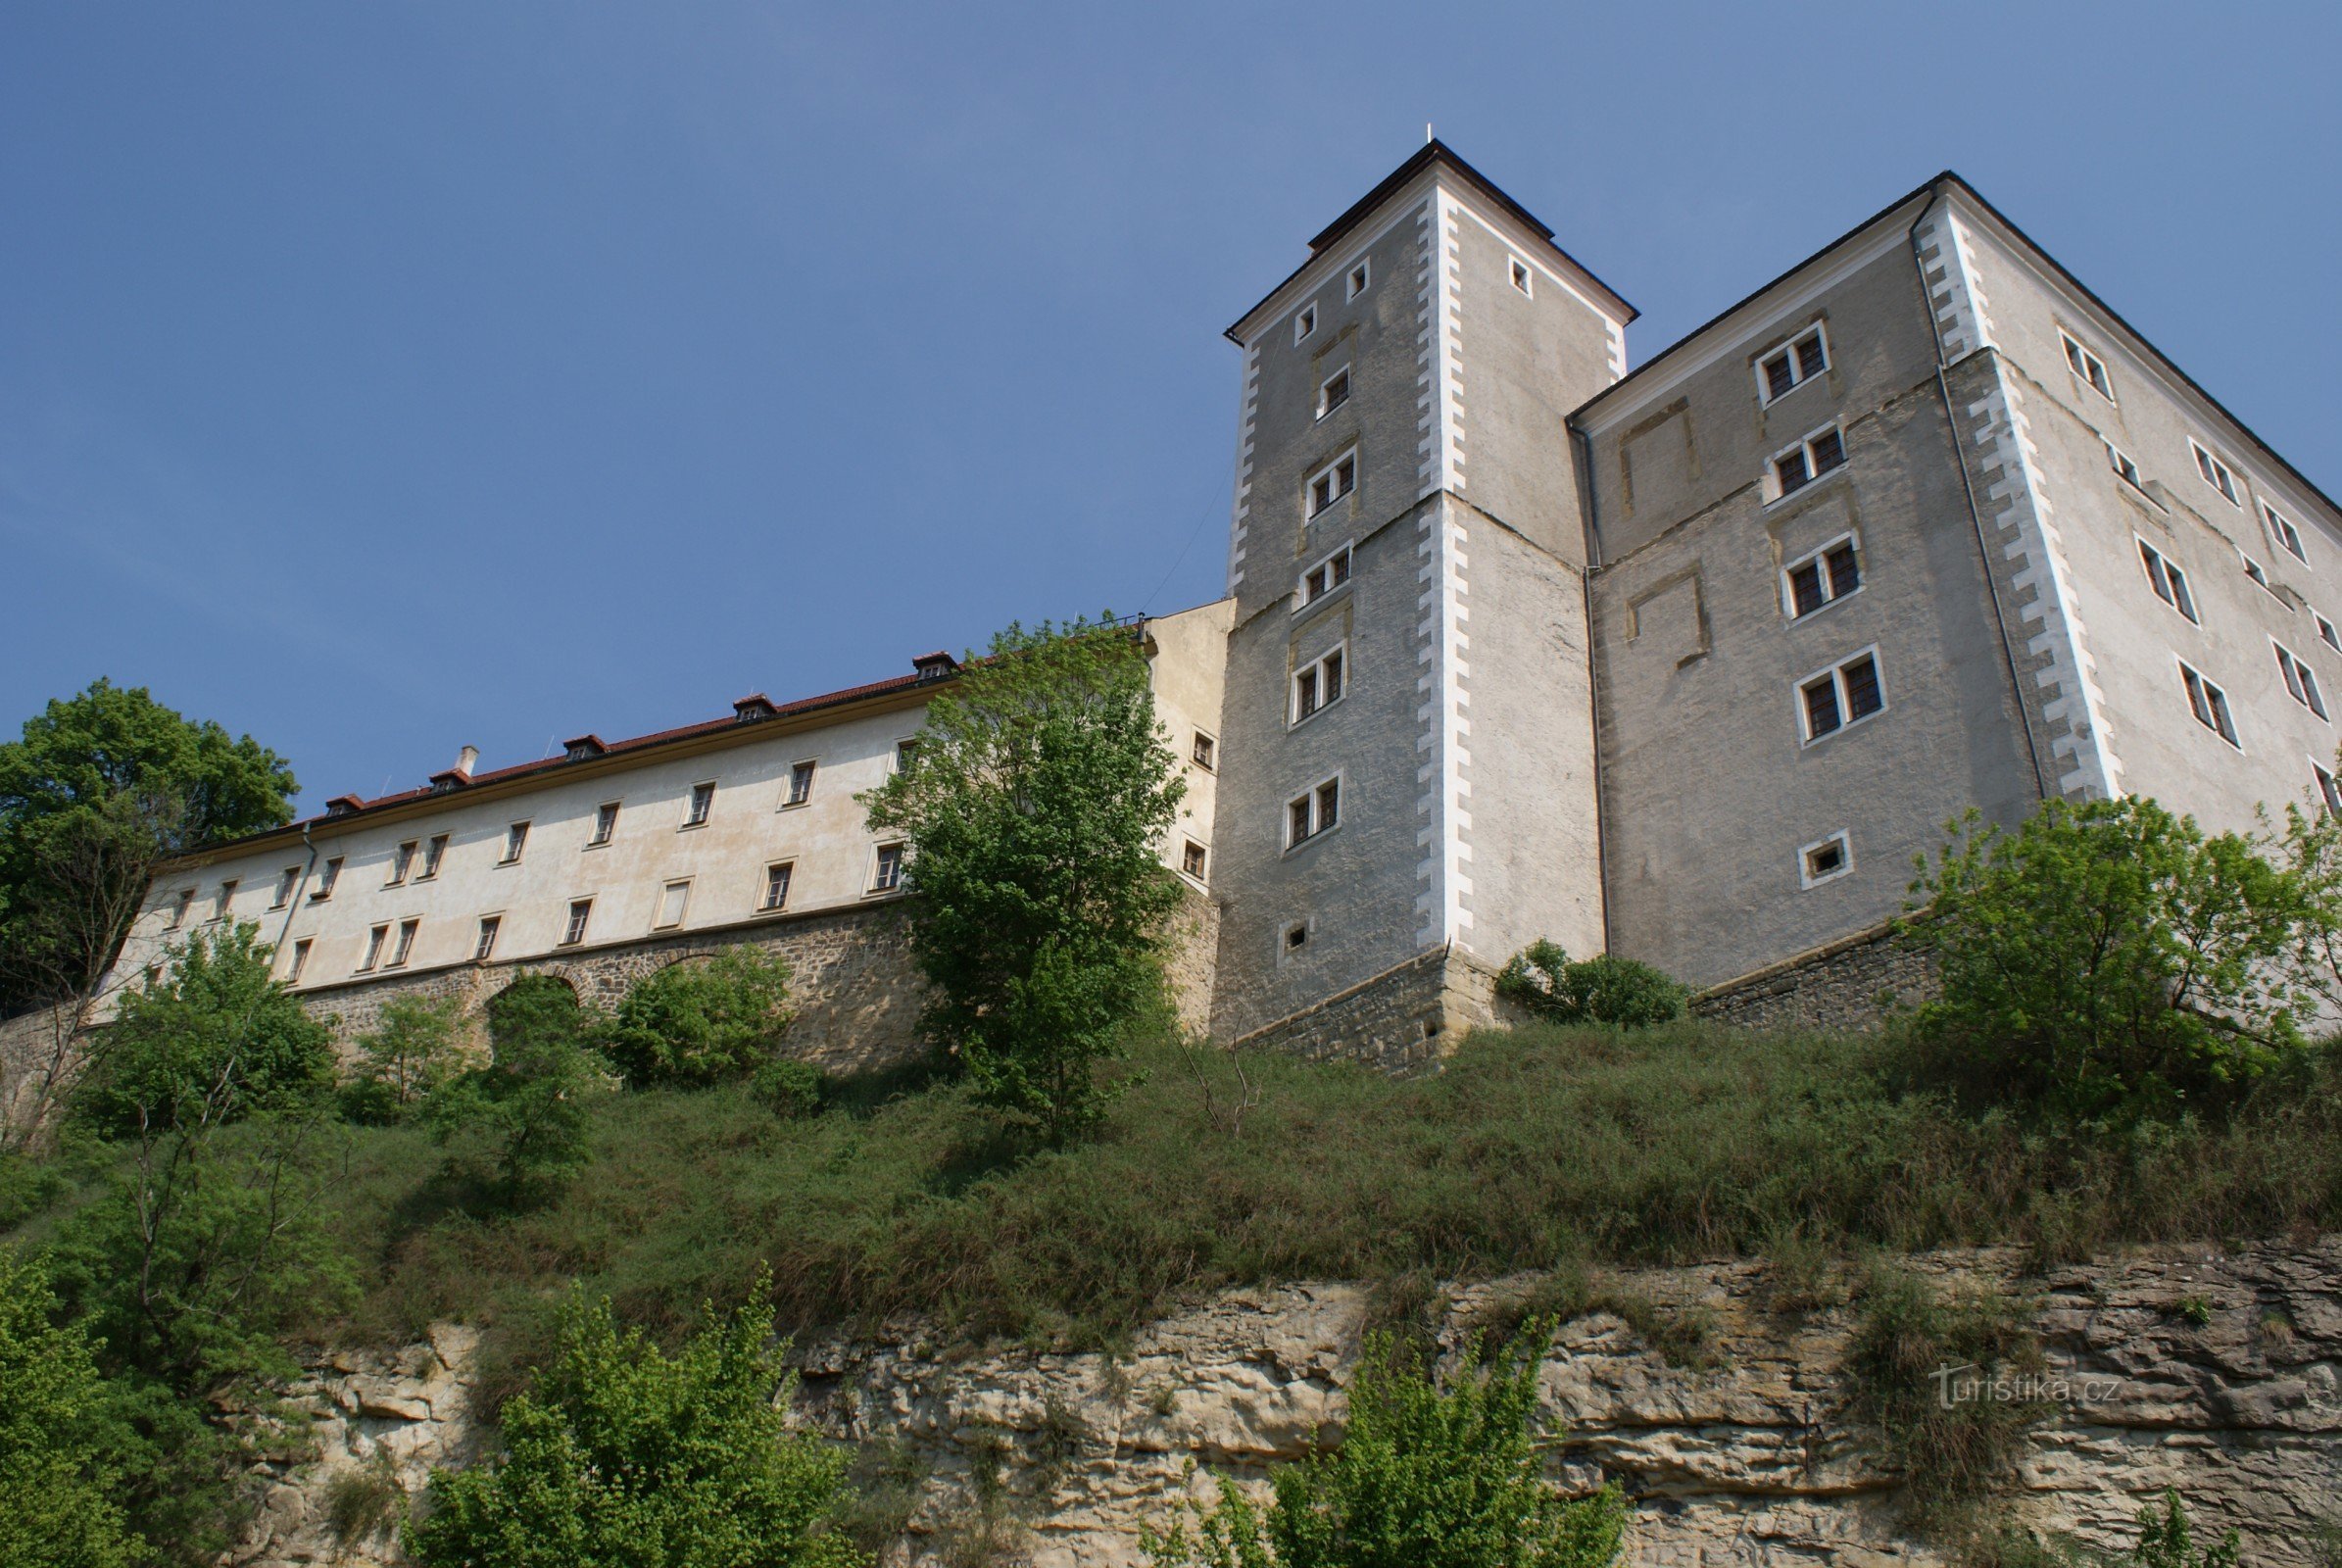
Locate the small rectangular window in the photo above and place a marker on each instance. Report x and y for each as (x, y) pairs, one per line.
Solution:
(887, 874)
(401, 862)
(2326, 633)
(1793, 363)
(1334, 391)
(907, 756)
(1317, 684)
(1360, 276)
(1305, 322)
(2253, 570)
(580, 911)
(672, 900)
(2121, 462)
(776, 884)
(703, 797)
(407, 930)
(327, 875)
(2328, 791)
(2301, 682)
(374, 948)
(1801, 464)
(2087, 367)
(1333, 482)
(287, 880)
(2168, 581)
(1833, 857)
(2209, 704)
(516, 840)
(1841, 697)
(1824, 577)
(605, 823)
(1324, 577)
(1518, 270)
(2216, 473)
(800, 783)
(2287, 536)
(1204, 751)
(292, 974)
(485, 948)
(1316, 810)
(1192, 857)
(178, 910)
(434, 853)
(226, 898)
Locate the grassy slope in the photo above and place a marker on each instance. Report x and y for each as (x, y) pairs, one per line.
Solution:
(1531, 1148)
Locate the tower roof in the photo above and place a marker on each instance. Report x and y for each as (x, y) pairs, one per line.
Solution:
(1441, 154)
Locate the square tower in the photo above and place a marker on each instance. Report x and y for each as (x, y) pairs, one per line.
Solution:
(1406, 792)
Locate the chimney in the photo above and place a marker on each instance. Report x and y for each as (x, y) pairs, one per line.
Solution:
(466, 759)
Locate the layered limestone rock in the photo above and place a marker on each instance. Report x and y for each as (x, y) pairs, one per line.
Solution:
(2215, 1372)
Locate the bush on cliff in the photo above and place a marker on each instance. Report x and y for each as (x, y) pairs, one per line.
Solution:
(1551, 985)
(415, 1049)
(701, 1022)
(57, 1482)
(1041, 790)
(531, 1103)
(621, 1453)
(1425, 1476)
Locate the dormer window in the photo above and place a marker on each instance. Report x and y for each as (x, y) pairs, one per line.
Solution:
(935, 667)
(748, 710)
(580, 747)
(1794, 364)
(343, 805)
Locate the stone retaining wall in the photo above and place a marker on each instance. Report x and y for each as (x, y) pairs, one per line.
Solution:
(1848, 985)
(1404, 1019)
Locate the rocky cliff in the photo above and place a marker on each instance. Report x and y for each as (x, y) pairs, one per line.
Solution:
(2217, 1372)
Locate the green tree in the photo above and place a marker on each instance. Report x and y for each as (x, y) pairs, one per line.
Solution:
(1602, 989)
(219, 1039)
(1424, 1478)
(415, 1047)
(625, 1456)
(2166, 1540)
(1041, 790)
(57, 1507)
(98, 789)
(702, 1023)
(2109, 959)
(532, 1099)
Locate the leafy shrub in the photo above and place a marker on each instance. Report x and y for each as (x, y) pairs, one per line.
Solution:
(2108, 960)
(1602, 989)
(1424, 1478)
(2167, 1542)
(414, 1048)
(698, 1023)
(219, 1040)
(364, 1501)
(57, 1508)
(532, 1099)
(1933, 1375)
(789, 1088)
(1040, 908)
(624, 1454)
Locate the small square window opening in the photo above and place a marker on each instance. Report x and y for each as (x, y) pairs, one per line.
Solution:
(2209, 704)
(1819, 862)
(887, 874)
(1360, 276)
(703, 797)
(485, 948)
(1518, 270)
(516, 840)
(581, 911)
(1192, 856)
(2300, 684)
(2287, 536)
(1841, 697)
(672, 900)
(2168, 581)
(292, 974)
(800, 783)
(1305, 322)
(2121, 462)
(1801, 464)
(776, 884)
(2216, 473)
(2326, 633)
(2087, 367)
(1204, 751)
(1824, 577)
(1334, 391)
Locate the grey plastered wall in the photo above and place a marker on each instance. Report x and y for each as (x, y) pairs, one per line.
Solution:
(2132, 640)
(1709, 791)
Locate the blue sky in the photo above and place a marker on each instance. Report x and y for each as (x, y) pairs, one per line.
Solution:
(383, 378)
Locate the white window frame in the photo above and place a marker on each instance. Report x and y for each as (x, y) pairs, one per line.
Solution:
(1522, 274)
(2301, 681)
(1359, 279)
(2162, 574)
(1203, 749)
(1304, 322)
(1776, 492)
(2102, 381)
(2216, 473)
(766, 903)
(1341, 374)
(2329, 790)
(1835, 672)
(1817, 558)
(1310, 796)
(1202, 854)
(698, 806)
(577, 922)
(878, 862)
(2215, 702)
(2280, 529)
(1302, 598)
(601, 836)
(2125, 468)
(1805, 859)
(2260, 575)
(483, 942)
(658, 910)
(515, 843)
(406, 948)
(1766, 396)
(1340, 652)
(812, 767)
(2326, 633)
(1331, 472)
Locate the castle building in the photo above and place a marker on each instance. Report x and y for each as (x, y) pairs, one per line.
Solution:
(1685, 663)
